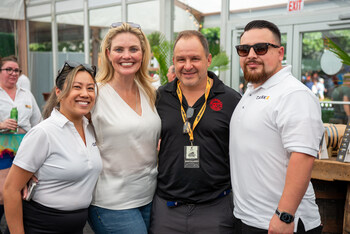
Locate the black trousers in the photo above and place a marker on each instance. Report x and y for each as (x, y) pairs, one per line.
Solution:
(215, 217)
(241, 228)
(39, 219)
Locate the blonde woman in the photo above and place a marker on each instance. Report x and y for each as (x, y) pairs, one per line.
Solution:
(127, 128)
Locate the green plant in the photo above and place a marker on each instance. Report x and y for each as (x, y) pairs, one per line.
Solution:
(219, 62)
(162, 51)
(7, 42)
(213, 37)
(345, 58)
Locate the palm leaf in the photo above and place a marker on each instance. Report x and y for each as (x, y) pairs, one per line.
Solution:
(161, 49)
(219, 62)
(341, 54)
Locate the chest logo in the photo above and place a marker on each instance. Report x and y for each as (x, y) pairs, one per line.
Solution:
(215, 104)
(262, 97)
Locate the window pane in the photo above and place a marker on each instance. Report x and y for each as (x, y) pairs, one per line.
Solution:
(325, 75)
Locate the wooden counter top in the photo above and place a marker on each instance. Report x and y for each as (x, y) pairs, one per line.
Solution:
(330, 170)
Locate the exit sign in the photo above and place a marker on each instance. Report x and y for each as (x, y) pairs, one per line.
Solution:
(295, 5)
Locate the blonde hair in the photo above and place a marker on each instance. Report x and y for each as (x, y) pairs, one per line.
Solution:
(64, 82)
(142, 77)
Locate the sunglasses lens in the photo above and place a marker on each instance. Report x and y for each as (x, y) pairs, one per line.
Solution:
(133, 25)
(189, 112)
(243, 50)
(260, 49)
(115, 25)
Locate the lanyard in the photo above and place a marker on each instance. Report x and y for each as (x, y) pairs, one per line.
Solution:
(200, 113)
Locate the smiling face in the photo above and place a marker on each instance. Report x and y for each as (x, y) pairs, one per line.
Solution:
(81, 97)
(125, 54)
(9, 80)
(259, 68)
(191, 63)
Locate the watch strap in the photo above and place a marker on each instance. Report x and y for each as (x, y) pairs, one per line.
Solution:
(284, 216)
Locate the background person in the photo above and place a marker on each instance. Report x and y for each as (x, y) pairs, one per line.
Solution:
(12, 95)
(321, 88)
(171, 73)
(127, 129)
(193, 190)
(61, 152)
(24, 82)
(341, 93)
(275, 133)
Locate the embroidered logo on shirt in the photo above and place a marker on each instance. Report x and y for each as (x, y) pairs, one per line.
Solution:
(215, 104)
(28, 106)
(263, 97)
(94, 144)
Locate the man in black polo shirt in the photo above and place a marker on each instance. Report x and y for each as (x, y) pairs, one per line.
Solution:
(194, 192)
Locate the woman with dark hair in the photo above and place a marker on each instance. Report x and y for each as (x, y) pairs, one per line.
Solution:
(61, 152)
(11, 95)
(127, 129)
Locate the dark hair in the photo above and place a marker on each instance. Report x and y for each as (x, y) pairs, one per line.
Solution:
(65, 76)
(11, 58)
(261, 24)
(193, 33)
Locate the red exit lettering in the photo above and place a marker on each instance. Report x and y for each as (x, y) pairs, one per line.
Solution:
(294, 5)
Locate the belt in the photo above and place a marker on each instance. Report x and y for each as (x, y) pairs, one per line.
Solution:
(172, 204)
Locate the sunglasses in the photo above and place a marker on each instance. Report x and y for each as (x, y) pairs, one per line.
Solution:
(9, 70)
(133, 25)
(71, 65)
(259, 49)
(187, 124)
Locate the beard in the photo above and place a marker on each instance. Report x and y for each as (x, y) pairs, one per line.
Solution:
(255, 77)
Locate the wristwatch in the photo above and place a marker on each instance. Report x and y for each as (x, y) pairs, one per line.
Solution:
(284, 216)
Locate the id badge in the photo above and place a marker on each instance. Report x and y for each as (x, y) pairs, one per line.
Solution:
(191, 156)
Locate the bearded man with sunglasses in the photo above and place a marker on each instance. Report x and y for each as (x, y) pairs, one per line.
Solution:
(193, 188)
(275, 133)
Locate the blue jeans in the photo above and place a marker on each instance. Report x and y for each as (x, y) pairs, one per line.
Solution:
(130, 221)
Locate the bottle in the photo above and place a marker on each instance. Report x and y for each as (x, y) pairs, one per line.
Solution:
(14, 115)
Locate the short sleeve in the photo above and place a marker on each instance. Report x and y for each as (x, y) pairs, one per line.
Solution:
(299, 122)
(33, 150)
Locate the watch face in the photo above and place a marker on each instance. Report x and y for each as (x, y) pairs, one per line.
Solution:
(287, 218)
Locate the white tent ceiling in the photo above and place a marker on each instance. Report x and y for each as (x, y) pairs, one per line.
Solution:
(14, 9)
(210, 6)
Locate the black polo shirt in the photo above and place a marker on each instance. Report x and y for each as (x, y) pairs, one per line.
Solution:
(195, 185)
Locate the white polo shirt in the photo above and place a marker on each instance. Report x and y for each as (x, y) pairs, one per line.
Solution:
(67, 169)
(28, 111)
(269, 123)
